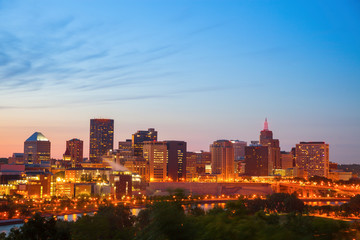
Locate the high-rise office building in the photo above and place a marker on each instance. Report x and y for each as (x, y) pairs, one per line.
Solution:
(197, 163)
(222, 159)
(75, 149)
(313, 157)
(191, 159)
(101, 138)
(36, 149)
(176, 166)
(257, 161)
(140, 137)
(266, 139)
(239, 149)
(265, 134)
(155, 153)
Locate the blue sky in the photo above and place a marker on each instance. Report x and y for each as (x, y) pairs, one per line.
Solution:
(195, 70)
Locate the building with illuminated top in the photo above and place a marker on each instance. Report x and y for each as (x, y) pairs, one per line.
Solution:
(101, 138)
(140, 137)
(222, 159)
(266, 139)
(313, 157)
(36, 149)
(239, 149)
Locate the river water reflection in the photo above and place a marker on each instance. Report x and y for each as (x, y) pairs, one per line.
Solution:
(73, 217)
(135, 212)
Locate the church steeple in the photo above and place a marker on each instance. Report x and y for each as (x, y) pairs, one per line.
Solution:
(266, 125)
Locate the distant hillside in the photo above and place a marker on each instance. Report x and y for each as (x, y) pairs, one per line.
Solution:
(354, 168)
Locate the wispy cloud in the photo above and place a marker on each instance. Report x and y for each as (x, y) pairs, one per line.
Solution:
(60, 24)
(16, 69)
(205, 29)
(94, 56)
(66, 56)
(71, 59)
(4, 59)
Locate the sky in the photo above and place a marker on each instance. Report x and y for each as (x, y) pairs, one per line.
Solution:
(194, 70)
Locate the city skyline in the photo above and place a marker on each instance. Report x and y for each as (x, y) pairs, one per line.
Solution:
(115, 143)
(195, 72)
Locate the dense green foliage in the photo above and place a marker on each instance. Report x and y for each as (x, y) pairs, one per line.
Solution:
(280, 216)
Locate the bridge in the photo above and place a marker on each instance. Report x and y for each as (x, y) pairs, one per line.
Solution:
(316, 190)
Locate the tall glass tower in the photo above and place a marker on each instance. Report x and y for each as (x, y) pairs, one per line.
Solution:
(101, 138)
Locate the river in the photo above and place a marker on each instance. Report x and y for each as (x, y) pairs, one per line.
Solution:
(73, 217)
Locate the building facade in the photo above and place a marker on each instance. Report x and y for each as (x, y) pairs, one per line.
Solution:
(239, 149)
(75, 148)
(222, 159)
(176, 163)
(196, 163)
(125, 145)
(257, 161)
(287, 160)
(155, 153)
(16, 158)
(266, 139)
(101, 138)
(36, 149)
(140, 137)
(313, 157)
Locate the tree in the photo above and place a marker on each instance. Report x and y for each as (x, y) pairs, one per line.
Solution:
(110, 222)
(284, 203)
(256, 205)
(236, 208)
(354, 205)
(40, 228)
(196, 211)
(167, 221)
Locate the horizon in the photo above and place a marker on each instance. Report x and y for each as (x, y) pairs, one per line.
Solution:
(86, 142)
(195, 72)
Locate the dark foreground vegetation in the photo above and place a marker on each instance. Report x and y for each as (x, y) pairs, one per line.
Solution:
(280, 216)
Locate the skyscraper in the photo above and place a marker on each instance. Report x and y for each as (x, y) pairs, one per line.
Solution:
(101, 138)
(140, 137)
(265, 135)
(239, 149)
(75, 150)
(155, 154)
(257, 162)
(266, 139)
(176, 166)
(222, 159)
(36, 149)
(313, 157)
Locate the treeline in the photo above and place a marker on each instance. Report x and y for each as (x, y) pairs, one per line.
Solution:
(280, 216)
